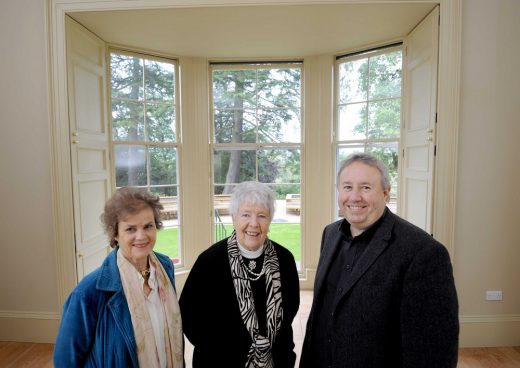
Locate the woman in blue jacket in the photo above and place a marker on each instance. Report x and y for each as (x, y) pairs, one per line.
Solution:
(125, 313)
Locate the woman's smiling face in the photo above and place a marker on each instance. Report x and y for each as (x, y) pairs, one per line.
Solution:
(251, 224)
(136, 236)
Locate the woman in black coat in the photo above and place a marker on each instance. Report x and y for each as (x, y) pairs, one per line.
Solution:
(242, 294)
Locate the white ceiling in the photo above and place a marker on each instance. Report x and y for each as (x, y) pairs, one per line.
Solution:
(268, 31)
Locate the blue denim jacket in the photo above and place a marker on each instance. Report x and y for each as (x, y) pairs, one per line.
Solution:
(96, 327)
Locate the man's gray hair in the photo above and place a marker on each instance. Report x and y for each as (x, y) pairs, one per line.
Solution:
(369, 160)
(252, 192)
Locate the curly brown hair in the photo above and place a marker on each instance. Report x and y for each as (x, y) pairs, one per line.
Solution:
(126, 201)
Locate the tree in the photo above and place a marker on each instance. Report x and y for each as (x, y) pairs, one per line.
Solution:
(143, 111)
(255, 106)
(375, 82)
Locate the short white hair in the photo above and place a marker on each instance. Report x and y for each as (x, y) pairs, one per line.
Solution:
(252, 192)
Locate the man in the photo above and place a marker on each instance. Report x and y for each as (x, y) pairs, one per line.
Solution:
(384, 294)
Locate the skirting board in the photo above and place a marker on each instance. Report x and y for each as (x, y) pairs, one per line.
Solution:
(475, 330)
(29, 326)
(489, 330)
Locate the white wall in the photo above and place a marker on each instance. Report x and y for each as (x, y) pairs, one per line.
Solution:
(28, 291)
(487, 246)
(486, 252)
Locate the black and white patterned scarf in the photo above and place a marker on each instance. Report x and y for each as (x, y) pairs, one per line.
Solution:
(259, 355)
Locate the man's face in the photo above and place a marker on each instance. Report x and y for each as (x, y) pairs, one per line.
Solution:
(361, 197)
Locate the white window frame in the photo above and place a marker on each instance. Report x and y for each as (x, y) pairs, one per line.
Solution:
(176, 144)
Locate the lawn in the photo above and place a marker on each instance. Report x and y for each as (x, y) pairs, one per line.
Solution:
(287, 235)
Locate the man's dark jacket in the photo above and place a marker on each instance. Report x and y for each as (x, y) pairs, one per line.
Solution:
(397, 308)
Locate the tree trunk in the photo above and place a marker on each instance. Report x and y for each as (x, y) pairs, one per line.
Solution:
(133, 154)
(233, 173)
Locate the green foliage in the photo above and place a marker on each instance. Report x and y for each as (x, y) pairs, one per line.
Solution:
(255, 106)
(143, 110)
(374, 82)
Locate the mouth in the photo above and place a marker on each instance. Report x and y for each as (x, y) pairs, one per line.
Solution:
(355, 208)
(140, 245)
(253, 234)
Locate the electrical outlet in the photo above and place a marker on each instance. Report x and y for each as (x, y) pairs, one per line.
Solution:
(494, 295)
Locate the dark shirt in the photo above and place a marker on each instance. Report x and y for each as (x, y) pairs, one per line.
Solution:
(347, 254)
(259, 294)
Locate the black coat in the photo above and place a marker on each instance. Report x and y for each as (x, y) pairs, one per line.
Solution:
(398, 307)
(211, 317)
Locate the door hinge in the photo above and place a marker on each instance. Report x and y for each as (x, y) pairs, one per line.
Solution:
(435, 150)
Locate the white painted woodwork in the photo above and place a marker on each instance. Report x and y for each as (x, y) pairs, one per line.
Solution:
(89, 148)
(419, 110)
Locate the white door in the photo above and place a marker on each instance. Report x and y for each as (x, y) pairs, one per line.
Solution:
(86, 78)
(419, 119)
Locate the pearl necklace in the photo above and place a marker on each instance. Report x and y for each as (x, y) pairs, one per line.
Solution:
(249, 270)
(251, 265)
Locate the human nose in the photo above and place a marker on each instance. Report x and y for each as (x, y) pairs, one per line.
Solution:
(254, 221)
(140, 234)
(355, 195)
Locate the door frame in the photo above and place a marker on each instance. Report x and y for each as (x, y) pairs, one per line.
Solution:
(447, 132)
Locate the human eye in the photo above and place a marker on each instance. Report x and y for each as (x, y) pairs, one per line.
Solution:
(347, 187)
(366, 188)
(150, 226)
(130, 229)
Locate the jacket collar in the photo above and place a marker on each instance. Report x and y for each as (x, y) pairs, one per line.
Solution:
(379, 242)
(109, 279)
(377, 245)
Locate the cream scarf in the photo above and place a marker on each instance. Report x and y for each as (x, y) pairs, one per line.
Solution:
(143, 331)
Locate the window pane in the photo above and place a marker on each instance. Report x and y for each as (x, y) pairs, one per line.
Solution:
(388, 153)
(369, 108)
(346, 150)
(163, 165)
(250, 107)
(243, 114)
(385, 75)
(126, 76)
(165, 191)
(352, 121)
(144, 110)
(160, 122)
(279, 125)
(281, 166)
(233, 166)
(244, 126)
(168, 240)
(279, 87)
(130, 163)
(384, 119)
(159, 81)
(127, 121)
(234, 89)
(353, 81)
(237, 126)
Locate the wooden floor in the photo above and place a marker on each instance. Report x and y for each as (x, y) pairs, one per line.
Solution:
(32, 355)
